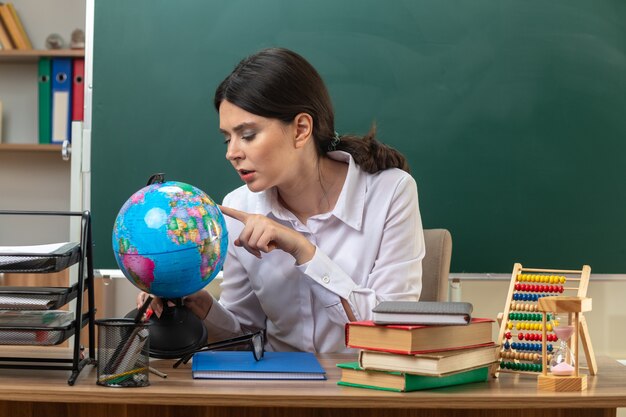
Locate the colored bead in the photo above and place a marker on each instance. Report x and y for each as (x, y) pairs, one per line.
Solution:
(520, 336)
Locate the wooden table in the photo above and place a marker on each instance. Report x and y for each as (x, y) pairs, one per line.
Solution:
(33, 393)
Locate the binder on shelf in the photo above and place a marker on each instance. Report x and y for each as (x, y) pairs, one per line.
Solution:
(78, 77)
(20, 26)
(11, 26)
(45, 100)
(61, 99)
(5, 39)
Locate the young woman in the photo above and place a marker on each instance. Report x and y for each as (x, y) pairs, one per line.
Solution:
(326, 225)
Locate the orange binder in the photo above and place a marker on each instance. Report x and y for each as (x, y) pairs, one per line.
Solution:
(20, 26)
(5, 39)
(78, 89)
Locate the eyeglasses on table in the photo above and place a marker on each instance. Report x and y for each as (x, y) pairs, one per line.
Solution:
(254, 340)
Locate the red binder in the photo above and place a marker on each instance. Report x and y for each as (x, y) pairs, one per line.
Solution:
(78, 89)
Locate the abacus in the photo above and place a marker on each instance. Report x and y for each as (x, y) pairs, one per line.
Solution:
(521, 324)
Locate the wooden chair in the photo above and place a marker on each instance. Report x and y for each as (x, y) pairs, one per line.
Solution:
(436, 265)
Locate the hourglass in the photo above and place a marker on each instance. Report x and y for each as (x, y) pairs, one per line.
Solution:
(563, 360)
(565, 314)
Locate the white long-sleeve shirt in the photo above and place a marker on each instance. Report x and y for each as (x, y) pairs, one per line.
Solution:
(369, 248)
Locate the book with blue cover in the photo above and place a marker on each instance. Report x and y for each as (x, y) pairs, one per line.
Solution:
(242, 365)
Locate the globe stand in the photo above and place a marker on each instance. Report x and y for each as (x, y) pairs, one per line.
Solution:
(176, 333)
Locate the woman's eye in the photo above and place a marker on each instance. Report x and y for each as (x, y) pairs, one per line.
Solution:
(248, 136)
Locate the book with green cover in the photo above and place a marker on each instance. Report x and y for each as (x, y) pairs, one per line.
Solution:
(354, 376)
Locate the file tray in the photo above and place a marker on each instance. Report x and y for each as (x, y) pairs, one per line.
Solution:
(37, 335)
(39, 258)
(36, 298)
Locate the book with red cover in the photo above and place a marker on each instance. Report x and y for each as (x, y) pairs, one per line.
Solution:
(78, 82)
(413, 339)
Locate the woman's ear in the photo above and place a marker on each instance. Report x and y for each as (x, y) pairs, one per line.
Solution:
(304, 129)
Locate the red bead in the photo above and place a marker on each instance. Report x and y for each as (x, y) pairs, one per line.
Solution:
(520, 336)
(561, 288)
(517, 287)
(507, 335)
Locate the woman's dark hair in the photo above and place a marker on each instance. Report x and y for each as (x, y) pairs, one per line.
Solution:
(280, 84)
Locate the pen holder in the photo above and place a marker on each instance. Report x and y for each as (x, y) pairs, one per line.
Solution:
(123, 353)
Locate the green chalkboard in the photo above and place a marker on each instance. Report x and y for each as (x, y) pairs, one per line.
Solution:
(511, 112)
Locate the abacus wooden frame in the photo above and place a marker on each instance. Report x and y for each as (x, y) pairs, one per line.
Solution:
(581, 291)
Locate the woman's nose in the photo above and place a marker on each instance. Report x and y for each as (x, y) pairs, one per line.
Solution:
(232, 151)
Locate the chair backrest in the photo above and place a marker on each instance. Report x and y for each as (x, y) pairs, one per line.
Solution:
(436, 265)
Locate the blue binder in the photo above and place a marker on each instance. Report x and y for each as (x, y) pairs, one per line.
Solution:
(61, 99)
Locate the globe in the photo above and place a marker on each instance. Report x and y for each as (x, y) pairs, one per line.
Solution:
(170, 239)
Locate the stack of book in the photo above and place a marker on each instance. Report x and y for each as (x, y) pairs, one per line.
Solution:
(413, 346)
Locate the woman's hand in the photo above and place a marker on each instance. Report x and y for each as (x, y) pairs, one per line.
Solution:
(199, 303)
(261, 234)
(156, 305)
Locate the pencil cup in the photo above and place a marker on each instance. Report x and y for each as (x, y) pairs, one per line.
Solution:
(123, 353)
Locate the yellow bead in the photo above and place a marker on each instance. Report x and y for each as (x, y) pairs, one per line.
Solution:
(518, 326)
(549, 327)
(563, 279)
(509, 325)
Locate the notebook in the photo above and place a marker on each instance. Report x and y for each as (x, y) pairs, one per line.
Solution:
(422, 312)
(242, 365)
